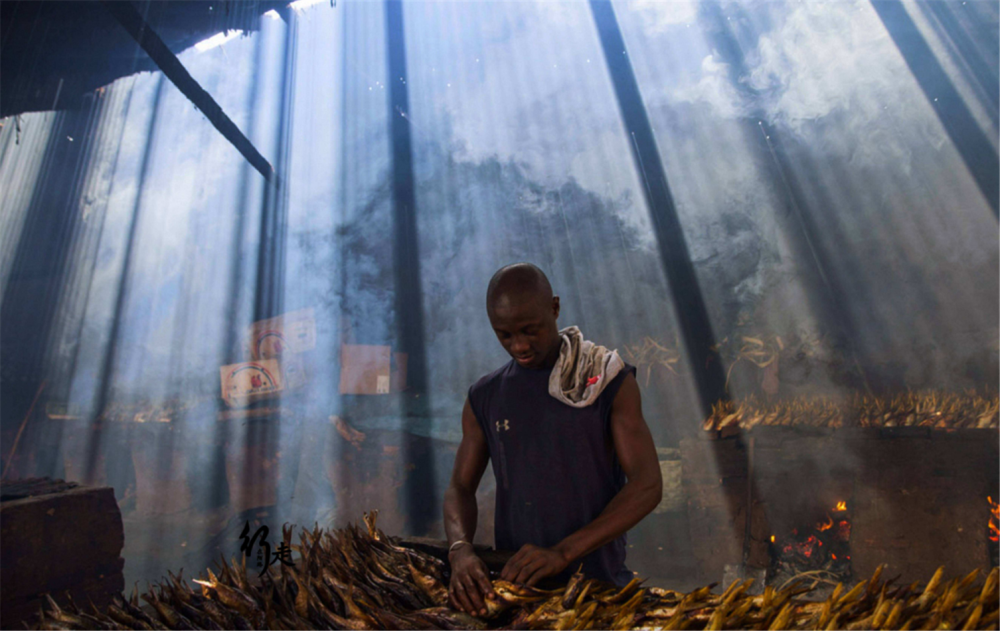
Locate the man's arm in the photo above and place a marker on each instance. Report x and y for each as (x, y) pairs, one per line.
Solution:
(640, 495)
(469, 580)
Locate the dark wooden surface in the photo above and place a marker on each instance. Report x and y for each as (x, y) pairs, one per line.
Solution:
(29, 487)
(67, 541)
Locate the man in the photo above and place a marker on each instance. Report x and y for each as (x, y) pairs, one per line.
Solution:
(562, 423)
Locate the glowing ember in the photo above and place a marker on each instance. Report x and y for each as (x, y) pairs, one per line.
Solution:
(841, 506)
(994, 519)
(844, 530)
(772, 538)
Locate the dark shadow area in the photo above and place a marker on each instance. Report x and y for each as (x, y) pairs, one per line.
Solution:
(167, 62)
(55, 52)
(270, 282)
(696, 327)
(260, 441)
(828, 303)
(106, 376)
(982, 71)
(218, 494)
(419, 496)
(694, 321)
(970, 141)
(38, 272)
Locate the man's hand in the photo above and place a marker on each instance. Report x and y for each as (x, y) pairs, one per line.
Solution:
(469, 581)
(531, 564)
(469, 578)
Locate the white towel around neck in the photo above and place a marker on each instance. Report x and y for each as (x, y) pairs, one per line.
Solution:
(583, 369)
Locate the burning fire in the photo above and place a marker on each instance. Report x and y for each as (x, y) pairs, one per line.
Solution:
(994, 519)
(825, 546)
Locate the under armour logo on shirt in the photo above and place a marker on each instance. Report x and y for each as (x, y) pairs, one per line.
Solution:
(505, 425)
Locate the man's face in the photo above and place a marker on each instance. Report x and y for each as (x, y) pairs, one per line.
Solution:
(527, 329)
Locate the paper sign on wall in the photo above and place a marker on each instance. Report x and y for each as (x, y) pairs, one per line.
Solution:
(250, 381)
(292, 332)
(364, 369)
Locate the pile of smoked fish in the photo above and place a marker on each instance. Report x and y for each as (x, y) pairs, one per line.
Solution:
(927, 409)
(356, 578)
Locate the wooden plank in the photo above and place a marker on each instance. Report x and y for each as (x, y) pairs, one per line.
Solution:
(29, 487)
(65, 541)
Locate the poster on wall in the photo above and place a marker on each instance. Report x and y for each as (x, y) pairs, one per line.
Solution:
(245, 382)
(293, 332)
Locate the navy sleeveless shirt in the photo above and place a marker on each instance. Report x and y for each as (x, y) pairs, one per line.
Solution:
(555, 465)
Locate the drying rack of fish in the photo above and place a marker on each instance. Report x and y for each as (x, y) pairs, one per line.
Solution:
(357, 578)
(927, 409)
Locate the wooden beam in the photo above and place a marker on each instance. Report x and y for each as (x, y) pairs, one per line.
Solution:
(173, 69)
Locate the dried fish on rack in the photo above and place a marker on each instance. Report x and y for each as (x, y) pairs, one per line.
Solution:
(649, 354)
(927, 409)
(356, 578)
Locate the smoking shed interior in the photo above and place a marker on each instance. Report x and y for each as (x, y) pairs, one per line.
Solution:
(244, 253)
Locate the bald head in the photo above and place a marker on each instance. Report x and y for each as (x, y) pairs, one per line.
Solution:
(523, 313)
(518, 284)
